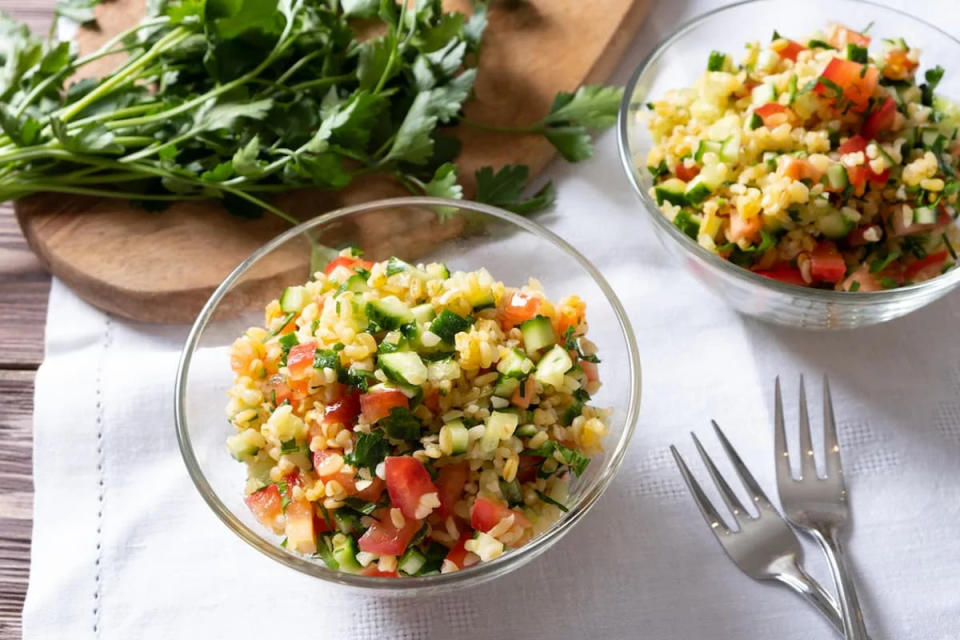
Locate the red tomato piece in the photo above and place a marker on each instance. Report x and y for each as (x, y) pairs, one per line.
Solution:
(853, 144)
(856, 238)
(840, 36)
(376, 573)
(902, 228)
(865, 280)
(299, 529)
(925, 268)
(856, 82)
(486, 514)
(321, 461)
(407, 481)
(348, 262)
(743, 228)
(518, 308)
(768, 111)
(266, 505)
(372, 493)
(321, 524)
(450, 481)
(344, 409)
(458, 553)
(686, 174)
(880, 119)
(826, 263)
(792, 50)
(383, 538)
(377, 404)
(300, 358)
(524, 394)
(799, 169)
(783, 273)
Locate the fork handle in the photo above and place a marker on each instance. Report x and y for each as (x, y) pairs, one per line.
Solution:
(853, 626)
(813, 592)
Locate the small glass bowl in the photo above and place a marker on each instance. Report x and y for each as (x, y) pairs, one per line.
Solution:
(677, 62)
(466, 236)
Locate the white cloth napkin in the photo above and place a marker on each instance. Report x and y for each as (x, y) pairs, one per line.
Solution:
(124, 547)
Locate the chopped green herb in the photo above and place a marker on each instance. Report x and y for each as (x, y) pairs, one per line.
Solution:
(755, 121)
(401, 424)
(856, 53)
(880, 264)
(369, 450)
(716, 61)
(659, 170)
(933, 77)
(855, 285)
(287, 342)
(550, 500)
(819, 44)
(570, 457)
(888, 283)
(284, 322)
(946, 241)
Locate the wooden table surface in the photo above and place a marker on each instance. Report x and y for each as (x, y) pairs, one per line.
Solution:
(24, 286)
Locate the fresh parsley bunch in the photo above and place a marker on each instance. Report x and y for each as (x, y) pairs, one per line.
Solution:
(239, 99)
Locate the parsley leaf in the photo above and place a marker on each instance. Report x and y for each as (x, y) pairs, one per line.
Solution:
(504, 188)
(401, 424)
(570, 457)
(369, 450)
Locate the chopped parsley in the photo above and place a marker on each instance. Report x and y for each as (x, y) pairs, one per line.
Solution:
(855, 285)
(550, 500)
(287, 342)
(369, 450)
(571, 343)
(570, 457)
(880, 264)
(401, 424)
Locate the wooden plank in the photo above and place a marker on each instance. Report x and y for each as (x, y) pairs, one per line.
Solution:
(24, 287)
(16, 496)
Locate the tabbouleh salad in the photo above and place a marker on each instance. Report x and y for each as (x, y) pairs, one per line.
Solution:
(819, 162)
(401, 420)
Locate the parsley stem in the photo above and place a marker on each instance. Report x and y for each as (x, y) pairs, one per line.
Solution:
(321, 82)
(58, 187)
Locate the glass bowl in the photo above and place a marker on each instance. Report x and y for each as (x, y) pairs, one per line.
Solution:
(466, 236)
(680, 58)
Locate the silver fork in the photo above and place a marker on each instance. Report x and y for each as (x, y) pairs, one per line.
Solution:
(819, 505)
(763, 547)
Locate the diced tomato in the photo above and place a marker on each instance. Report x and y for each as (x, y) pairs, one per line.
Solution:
(348, 262)
(686, 174)
(897, 65)
(377, 404)
(853, 144)
(524, 393)
(744, 229)
(486, 514)
(569, 318)
(450, 481)
(266, 505)
(300, 359)
(299, 530)
(407, 481)
(372, 493)
(901, 228)
(383, 538)
(528, 467)
(866, 280)
(826, 263)
(321, 462)
(859, 174)
(783, 273)
(768, 113)
(799, 169)
(840, 36)
(376, 573)
(458, 554)
(857, 83)
(925, 268)
(293, 479)
(590, 370)
(277, 390)
(518, 308)
(321, 524)
(880, 119)
(879, 178)
(344, 410)
(792, 50)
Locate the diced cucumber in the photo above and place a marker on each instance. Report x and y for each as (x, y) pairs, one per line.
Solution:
(553, 366)
(293, 299)
(836, 177)
(511, 492)
(440, 370)
(258, 472)
(423, 313)
(389, 313)
(755, 121)
(411, 561)
(697, 191)
(924, 215)
(763, 93)
(454, 438)
(396, 265)
(730, 152)
(505, 386)
(345, 553)
(403, 366)
(672, 191)
(909, 141)
(928, 136)
(526, 430)
(515, 364)
(355, 283)
(411, 391)
(834, 224)
(707, 146)
(500, 425)
(437, 271)
(434, 271)
(245, 445)
(448, 324)
(537, 334)
(481, 299)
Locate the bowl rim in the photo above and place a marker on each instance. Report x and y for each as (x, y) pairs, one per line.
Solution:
(483, 570)
(866, 298)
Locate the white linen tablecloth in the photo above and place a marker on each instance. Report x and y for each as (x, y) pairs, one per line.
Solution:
(124, 547)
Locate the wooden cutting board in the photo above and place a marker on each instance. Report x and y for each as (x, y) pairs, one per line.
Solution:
(162, 267)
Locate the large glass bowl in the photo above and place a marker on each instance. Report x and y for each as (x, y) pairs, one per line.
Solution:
(466, 236)
(677, 62)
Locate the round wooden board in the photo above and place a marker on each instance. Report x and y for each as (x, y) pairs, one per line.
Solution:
(162, 266)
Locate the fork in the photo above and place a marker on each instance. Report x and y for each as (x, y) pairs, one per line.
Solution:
(764, 546)
(819, 505)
